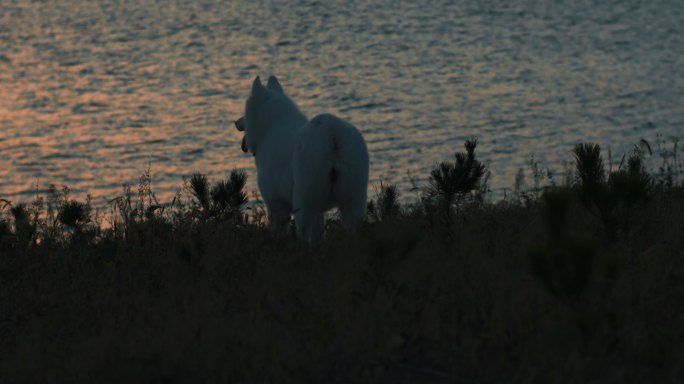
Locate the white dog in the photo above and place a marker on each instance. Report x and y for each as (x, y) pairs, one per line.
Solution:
(304, 167)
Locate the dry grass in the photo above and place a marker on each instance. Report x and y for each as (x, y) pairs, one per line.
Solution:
(182, 295)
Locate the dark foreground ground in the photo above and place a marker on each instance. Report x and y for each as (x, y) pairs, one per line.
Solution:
(538, 288)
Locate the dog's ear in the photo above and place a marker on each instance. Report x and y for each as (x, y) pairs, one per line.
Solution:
(257, 88)
(274, 85)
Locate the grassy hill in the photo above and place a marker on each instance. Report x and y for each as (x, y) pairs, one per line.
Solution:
(576, 282)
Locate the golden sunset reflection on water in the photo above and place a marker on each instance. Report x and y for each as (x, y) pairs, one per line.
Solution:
(94, 93)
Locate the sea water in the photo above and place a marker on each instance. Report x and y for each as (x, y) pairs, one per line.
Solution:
(93, 93)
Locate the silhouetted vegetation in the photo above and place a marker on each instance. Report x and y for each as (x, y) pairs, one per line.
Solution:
(225, 200)
(611, 197)
(449, 183)
(386, 205)
(573, 280)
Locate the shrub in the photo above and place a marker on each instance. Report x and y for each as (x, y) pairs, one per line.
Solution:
(224, 200)
(612, 199)
(74, 214)
(450, 182)
(386, 204)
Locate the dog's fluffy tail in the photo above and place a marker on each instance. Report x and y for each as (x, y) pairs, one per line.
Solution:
(330, 167)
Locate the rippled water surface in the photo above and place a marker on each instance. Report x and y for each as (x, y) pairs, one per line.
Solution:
(94, 92)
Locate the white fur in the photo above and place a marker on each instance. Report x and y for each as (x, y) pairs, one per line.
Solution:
(304, 167)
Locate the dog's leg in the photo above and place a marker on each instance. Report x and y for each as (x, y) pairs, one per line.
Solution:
(310, 226)
(353, 215)
(278, 220)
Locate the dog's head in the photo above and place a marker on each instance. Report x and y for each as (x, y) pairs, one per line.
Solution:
(262, 100)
